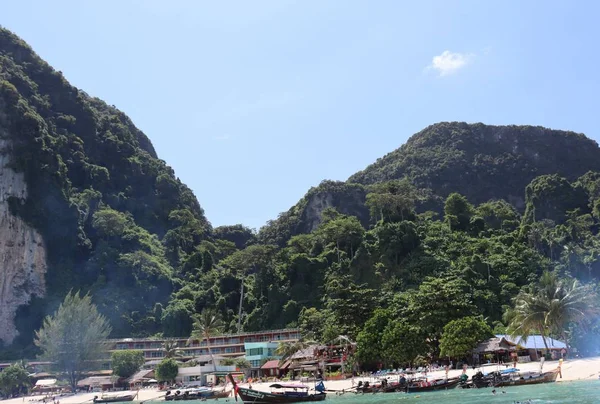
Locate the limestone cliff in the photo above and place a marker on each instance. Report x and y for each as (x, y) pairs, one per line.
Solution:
(22, 251)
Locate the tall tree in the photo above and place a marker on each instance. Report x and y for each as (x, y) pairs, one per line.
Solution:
(207, 324)
(550, 307)
(126, 363)
(74, 338)
(14, 380)
(462, 335)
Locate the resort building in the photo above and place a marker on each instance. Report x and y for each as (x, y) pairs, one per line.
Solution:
(229, 345)
(257, 353)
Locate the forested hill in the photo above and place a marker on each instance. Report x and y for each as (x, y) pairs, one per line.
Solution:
(113, 219)
(484, 162)
(453, 224)
(481, 162)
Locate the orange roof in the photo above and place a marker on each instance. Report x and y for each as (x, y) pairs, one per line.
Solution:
(273, 364)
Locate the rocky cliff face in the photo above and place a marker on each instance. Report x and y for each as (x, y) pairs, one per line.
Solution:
(22, 251)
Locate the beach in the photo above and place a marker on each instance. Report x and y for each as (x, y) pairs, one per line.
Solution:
(572, 370)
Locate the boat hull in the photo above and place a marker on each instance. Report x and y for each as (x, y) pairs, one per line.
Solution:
(449, 384)
(547, 377)
(204, 395)
(116, 399)
(261, 397)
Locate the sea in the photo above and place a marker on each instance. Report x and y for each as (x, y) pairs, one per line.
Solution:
(580, 392)
(577, 392)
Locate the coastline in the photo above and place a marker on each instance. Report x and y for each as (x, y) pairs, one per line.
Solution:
(572, 370)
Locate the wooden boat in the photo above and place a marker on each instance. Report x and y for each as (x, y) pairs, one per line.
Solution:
(114, 398)
(200, 393)
(285, 393)
(521, 379)
(423, 385)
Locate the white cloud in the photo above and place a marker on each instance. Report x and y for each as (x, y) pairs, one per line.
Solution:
(222, 137)
(450, 62)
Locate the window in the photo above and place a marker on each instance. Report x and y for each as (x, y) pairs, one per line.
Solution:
(255, 364)
(234, 340)
(156, 345)
(139, 345)
(254, 352)
(122, 346)
(158, 354)
(229, 350)
(215, 350)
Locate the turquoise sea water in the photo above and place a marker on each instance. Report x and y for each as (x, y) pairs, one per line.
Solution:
(587, 392)
(564, 392)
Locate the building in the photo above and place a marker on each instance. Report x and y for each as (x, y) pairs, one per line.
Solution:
(257, 353)
(229, 345)
(534, 345)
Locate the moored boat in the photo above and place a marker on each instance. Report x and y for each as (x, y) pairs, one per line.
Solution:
(417, 386)
(114, 398)
(285, 393)
(522, 379)
(199, 393)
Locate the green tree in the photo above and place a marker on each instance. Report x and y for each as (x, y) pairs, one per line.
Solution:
(74, 338)
(243, 363)
(436, 302)
(126, 363)
(207, 324)
(462, 335)
(402, 343)
(171, 348)
(288, 348)
(458, 212)
(167, 370)
(369, 340)
(14, 380)
(550, 307)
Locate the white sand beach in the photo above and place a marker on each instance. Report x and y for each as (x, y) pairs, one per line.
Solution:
(572, 370)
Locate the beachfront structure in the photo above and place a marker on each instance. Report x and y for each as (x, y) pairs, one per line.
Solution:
(228, 345)
(505, 349)
(532, 347)
(259, 352)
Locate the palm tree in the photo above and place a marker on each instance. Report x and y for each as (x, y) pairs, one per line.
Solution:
(171, 348)
(527, 317)
(570, 302)
(550, 307)
(287, 349)
(208, 323)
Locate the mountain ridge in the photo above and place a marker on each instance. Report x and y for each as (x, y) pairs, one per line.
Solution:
(94, 209)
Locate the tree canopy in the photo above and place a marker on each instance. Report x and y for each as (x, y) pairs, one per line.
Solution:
(74, 338)
(126, 363)
(14, 380)
(461, 336)
(166, 370)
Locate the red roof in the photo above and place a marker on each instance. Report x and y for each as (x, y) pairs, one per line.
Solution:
(273, 364)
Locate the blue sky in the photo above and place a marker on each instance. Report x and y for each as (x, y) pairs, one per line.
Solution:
(254, 102)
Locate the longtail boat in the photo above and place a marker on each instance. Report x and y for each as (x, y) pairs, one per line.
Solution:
(522, 379)
(199, 393)
(114, 398)
(285, 393)
(424, 385)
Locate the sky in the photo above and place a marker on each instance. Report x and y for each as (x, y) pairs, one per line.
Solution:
(254, 102)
